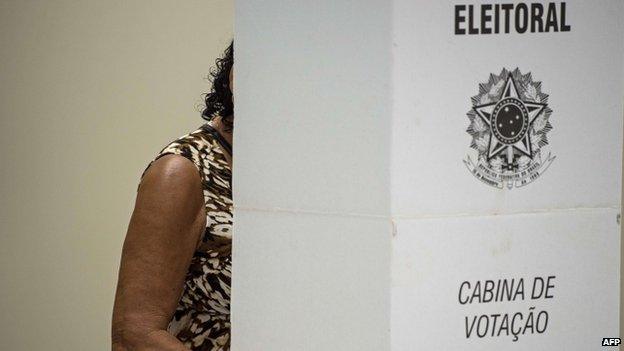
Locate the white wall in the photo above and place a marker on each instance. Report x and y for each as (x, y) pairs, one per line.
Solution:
(90, 92)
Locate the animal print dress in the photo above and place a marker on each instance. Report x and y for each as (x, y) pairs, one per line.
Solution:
(202, 318)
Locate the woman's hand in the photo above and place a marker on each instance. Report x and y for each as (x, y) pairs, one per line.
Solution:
(165, 228)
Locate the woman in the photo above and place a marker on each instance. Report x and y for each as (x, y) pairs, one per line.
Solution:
(173, 291)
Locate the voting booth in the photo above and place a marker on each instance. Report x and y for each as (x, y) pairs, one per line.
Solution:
(427, 175)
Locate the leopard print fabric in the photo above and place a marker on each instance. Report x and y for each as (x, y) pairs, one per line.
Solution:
(202, 318)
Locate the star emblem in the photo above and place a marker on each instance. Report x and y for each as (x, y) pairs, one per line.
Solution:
(509, 119)
(509, 123)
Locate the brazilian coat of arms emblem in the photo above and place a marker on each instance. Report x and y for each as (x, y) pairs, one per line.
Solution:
(509, 123)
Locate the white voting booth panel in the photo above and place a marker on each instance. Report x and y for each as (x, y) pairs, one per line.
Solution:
(313, 124)
(406, 180)
(448, 278)
(462, 233)
(437, 73)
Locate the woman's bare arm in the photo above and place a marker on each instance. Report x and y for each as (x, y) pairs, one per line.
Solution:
(167, 222)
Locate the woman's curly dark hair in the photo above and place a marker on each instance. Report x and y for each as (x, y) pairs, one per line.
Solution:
(219, 99)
